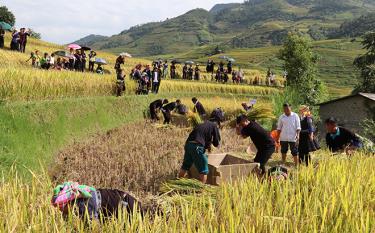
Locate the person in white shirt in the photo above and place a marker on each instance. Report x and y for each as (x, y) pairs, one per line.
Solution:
(156, 78)
(52, 61)
(289, 128)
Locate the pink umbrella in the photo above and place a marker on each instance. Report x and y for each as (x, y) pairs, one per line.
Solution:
(74, 46)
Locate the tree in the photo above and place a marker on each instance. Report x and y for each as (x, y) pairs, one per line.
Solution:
(366, 64)
(301, 64)
(7, 16)
(35, 34)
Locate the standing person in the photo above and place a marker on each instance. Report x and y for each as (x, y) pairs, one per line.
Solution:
(155, 107)
(14, 44)
(190, 72)
(167, 111)
(2, 35)
(212, 67)
(165, 69)
(306, 141)
(78, 61)
(120, 83)
(84, 60)
(230, 67)
(72, 59)
(52, 61)
(197, 73)
(221, 66)
(147, 71)
(260, 137)
(173, 70)
(198, 108)
(200, 139)
(156, 79)
(340, 139)
(23, 39)
(119, 61)
(185, 71)
(289, 127)
(208, 66)
(92, 59)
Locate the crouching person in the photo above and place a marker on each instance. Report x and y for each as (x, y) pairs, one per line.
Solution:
(155, 107)
(200, 140)
(93, 203)
(261, 139)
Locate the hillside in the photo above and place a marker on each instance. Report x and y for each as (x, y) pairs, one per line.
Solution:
(90, 40)
(356, 27)
(252, 24)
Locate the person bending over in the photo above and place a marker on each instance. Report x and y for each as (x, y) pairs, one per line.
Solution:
(198, 108)
(200, 140)
(260, 137)
(93, 203)
(166, 110)
(339, 139)
(181, 108)
(155, 107)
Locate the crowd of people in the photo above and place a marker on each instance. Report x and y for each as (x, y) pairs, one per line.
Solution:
(295, 132)
(76, 60)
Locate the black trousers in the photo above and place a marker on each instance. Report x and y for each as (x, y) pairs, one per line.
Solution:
(91, 66)
(22, 47)
(1, 42)
(155, 87)
(263, 156)
(167, 116)
(154, 115)
(71, 64)
(83, 66)
(305, 158)
(14, 46)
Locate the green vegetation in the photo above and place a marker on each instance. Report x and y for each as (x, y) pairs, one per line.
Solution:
(7, 16)
(366, 64)
(34, 131)
(251, 24)
(335, 66)
(300, 63)
(356, 27)
(67, 123)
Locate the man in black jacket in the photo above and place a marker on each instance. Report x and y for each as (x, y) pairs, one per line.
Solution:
(155, 106)
(198, 108)
(200, 140)
(260, 137)
(341, 139)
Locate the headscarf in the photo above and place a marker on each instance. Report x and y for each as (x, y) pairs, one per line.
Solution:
(305, 111)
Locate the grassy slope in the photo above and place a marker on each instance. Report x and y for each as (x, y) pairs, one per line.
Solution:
(335, 66)
(34, 131)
